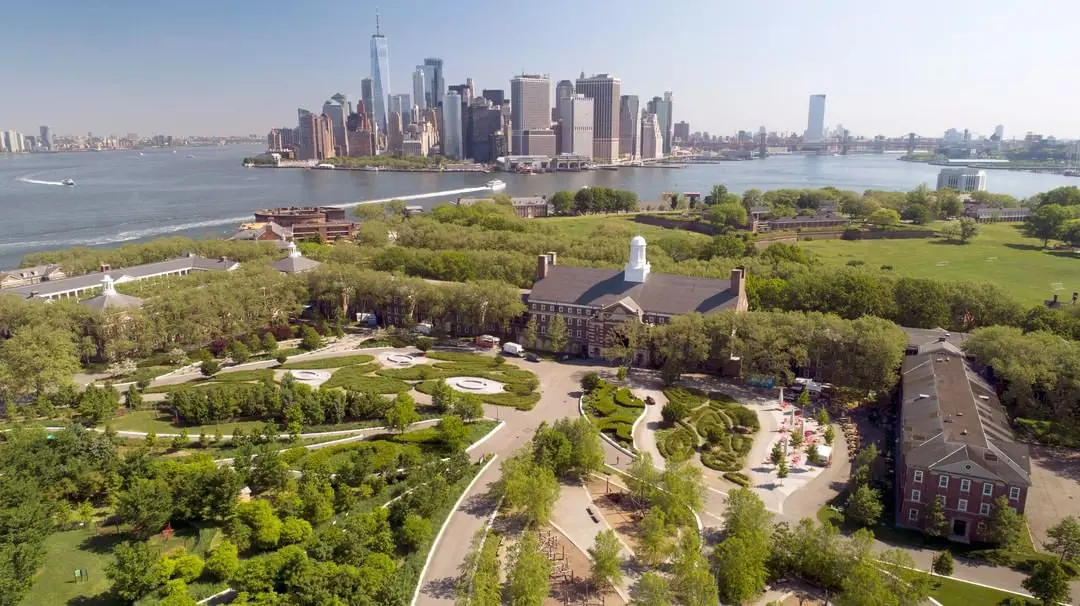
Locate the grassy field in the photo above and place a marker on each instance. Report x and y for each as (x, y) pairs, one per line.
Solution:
(585, 226)
(999, 253)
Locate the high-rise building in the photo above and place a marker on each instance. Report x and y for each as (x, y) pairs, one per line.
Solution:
(576, 126)
(652, 139)
(564, 91)
(324, 137)
(46, 137)
(999, 132)
(418, 94)
(305, 145)
(366, 97)
(682, 132)
(815, 124)
(663, 108)
(497, 96)
(486, 124)
(604, 90)
(530, 110)
(380, 75)
(395, 134)
(453, 144)
(629, 127)
(338, 115)
(402, 104)
(434, 86)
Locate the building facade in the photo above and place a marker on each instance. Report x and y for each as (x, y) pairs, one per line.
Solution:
(576, 126)
(380, 76)
(497, 96)
(962, 179)
(955, 445)
(419, 90)
(815, 122)
(367, 95)
(629, 127)
(434, 85)
(338, 114)
(663, 108)
(537, 143)
(605, 91)
(682, 132)
(453, 144)
(652, 138)
(485, 125)
(530, 109)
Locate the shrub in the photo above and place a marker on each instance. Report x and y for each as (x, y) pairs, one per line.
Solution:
(209, 368)
(590, 381)
(424, 343)
(624, 397)
(353, 378)
(281, 358)
(674, 411)
(691, 398)
(309, 339)
(499, 360)
(223, 561)
(739, 478)
(676, 443)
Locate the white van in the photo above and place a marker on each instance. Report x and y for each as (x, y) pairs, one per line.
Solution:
(513, 349)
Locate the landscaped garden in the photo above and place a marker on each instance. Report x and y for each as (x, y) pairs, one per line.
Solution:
(519, 385)
(614, 410)
(714, 425)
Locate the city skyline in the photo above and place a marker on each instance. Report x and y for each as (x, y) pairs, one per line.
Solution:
(200, 73)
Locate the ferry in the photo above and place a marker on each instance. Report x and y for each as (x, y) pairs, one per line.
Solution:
(496, 185)
(68, 182)
(325, 166)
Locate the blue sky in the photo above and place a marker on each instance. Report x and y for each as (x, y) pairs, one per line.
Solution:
(231, 67)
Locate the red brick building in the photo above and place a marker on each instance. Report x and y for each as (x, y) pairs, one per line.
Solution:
(303, 222)
(955, 444)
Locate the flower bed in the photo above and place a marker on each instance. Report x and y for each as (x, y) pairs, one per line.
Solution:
(613, 411)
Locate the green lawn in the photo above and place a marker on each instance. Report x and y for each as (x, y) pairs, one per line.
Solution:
(152, 420)
(951, 592)
(337, 362)
(999, 254)
(584, 226)
(65, 552)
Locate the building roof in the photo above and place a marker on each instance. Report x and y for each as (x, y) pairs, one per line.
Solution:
(295, 263)
(660, 293)
(952, 420)
(918, 337)
(26, 273)
(110, 300)
(52, 288)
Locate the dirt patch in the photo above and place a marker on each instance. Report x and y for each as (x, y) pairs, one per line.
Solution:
(570, 582)
(617, 508)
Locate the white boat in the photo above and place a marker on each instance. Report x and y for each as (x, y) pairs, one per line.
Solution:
(496, 185)
(189, 155)
(325, 166)
(68, 182)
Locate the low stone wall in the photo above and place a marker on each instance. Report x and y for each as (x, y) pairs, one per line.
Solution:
(694, 226)
(890, 235)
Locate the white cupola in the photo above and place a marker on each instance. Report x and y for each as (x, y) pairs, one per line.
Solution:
(294, 252)
(637, 268)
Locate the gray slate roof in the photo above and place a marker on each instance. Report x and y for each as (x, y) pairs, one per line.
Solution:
(952, 420)
(119, 276)
(112, 301)
(659, 294)
(295, 265)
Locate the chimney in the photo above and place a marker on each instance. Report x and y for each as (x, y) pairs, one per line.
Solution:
(1055, 299)
(542, 262)
(104, 267)
(738, 288)
(1076, 296)
(553, 257)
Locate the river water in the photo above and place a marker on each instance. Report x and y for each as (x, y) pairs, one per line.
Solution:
(126, 196)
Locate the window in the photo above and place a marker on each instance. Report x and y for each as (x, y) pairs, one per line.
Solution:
(965, 485)
(981, 527)
(984, 509)
(1014, 493)
(961, 505)
(913, 515)
(560, 309)
(943, 481)
(916, 495)
(942, 499)
(988, 489)
(918, 476)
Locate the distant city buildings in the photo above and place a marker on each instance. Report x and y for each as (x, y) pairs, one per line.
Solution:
(652, 138)
(663, 108)
(605, 91)
(629, 127)
(962, 179)
(530, 112)
(453, 145)
(47, 139)
(380, 75)
(366, 95)
(577, 124)
(815, 124)
(434, 85)
(419, 88)
(682, 132)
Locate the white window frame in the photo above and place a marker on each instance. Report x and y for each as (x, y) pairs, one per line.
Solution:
(944, 500)
(961, 505)
(916, 496)
(913, 515)
(965, 485)
(918, 476)
(1014, 493)
(984, 509)
(988, 489)
(943, 481)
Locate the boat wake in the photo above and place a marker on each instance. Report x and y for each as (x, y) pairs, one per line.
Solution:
(124, 236)
(434, 194)
(37, 182)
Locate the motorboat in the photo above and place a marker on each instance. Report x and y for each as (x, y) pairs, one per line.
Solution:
(496, 185)
(68, 182)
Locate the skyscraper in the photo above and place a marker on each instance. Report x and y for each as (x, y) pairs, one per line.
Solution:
(402, 105)
(452, 143)
(366, 97)
(497, 96)
(418, 94)
(815, 124)
(338, 114)
(577, 126)
(486, 126)
(380, 75)
(434, 86)
(682, 131)
(662, 107)
(530, 109)
(604, 90)
(564, 91)
(629, 127)
(652, 140)
(46, 137)
(305, 145)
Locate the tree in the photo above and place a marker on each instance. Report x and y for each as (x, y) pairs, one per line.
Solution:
(442, 396)
(1047, 222)
(181, 440)
(1005, 524)
(729, 215)
(674, 410)
(654, 540)
(562, 202)
(132, 397)
(682, 492)
(453, 433)
(782, 470)
(1049, 583)
(468, 406)
(97, 404)
(151, 439)
(776, 454)
(830, 435)
(949, 203)
(1065, 539)
(135, 571)
(415, 530)
(812, 455)
(797, 439)
(184, 566)
(529, 488)
(310, 339)
(937, 525)
(209, 368)
(528, 334)
(969, 228)
(883, 217)
(557, 333)
(1070, 233)
(864, 507)
(803, 401)
(269, 344)
(643, 480)
(224, 561)
(606, 566)
(691, 580)
(590, 381)
(943, 564)
(861, 468)
(401, 413)
(530, 571)
(740, 570)
(147, 505)
(728, 246)
(745, 515)
(238, 351)
(37, 359)
(716, 194)
(652, 589)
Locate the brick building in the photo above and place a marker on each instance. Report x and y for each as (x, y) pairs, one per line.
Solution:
(304, 222)
(954, 444)
(594, 302)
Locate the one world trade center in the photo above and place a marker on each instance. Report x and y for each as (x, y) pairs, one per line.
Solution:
(380, 75)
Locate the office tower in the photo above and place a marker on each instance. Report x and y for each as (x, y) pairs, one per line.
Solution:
(366, 97)
(485, 122)
(999, 132)
(629, 127)
(324, 137)
(682, 132)
(434, 86)
(46, 137)
(815, 124)
(604, 91)
(497, 96)
(452, 141)
(564, 91)
(576, 126)
(418, 94)
(465, 90)
(662, 107)
(402, 104)
(380, 75)
(530, 109)
(394, 132)
(652, 139)
(305, 149)
(431, 116)
(338, 114)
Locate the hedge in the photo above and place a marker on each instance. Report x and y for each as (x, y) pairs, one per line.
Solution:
(454, 356)
(354, 378)
(242, 376)
(738, 478)
(677, 443)
(337, 362)
(691, 397)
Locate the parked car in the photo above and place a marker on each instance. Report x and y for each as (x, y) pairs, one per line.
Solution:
(532, 357)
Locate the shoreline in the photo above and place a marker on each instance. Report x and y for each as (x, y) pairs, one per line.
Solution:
(381, 169)
(1053, 170)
